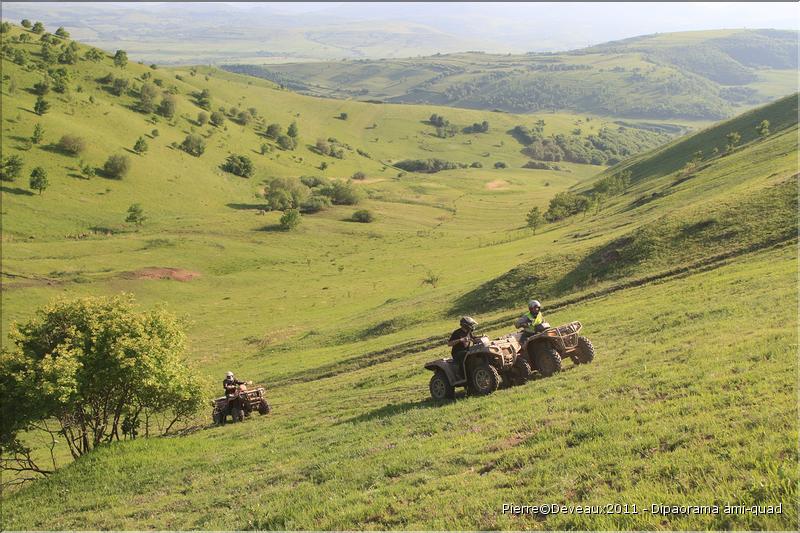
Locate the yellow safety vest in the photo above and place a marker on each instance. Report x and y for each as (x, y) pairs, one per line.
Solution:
(535, 321)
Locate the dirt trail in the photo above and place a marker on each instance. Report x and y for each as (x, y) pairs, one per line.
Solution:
(177, 274)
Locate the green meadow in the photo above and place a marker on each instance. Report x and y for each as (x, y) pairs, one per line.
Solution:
(685, 281)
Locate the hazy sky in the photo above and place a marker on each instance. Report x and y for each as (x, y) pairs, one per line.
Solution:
(497, 27)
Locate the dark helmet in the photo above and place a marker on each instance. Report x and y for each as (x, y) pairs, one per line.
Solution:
(468, 323)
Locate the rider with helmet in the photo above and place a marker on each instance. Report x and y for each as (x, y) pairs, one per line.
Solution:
(230, 383)
(460, 340)
(531, 322)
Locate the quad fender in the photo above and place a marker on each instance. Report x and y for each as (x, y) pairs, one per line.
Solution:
(445, 365)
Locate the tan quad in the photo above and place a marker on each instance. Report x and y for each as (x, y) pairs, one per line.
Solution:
(491, 364)
(488, 365)
(546, 350)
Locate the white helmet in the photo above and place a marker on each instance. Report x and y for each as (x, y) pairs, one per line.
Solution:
(534, 303)
(229, 374)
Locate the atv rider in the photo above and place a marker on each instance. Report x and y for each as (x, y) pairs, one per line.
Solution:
(531, 322)
(230, 383)
(460, 340)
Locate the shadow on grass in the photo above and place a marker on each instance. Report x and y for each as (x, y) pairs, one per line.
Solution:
(273, 228)
(395, 409)
(16, 190)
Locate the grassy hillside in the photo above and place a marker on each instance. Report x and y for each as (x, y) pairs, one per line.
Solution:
(699, 75)
(685, 281)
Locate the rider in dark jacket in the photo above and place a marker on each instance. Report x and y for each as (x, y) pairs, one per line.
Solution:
(230, 383)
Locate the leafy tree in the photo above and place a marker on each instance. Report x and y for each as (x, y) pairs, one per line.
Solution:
(217, 118)
(20, 57)
(168, 106)
(194, 144)
(202, 118)
(60, 78)
(119, 86)
(61, 32)
(94, 54)
(244, 118)
(763, 128)
(38, 28)
(363, 215)
(147, 98)
(241, 165)
(89, 364)
(290, 219)
(39, 179)
(286, 193)
(42, 87)
(38, 134)
(117, 166)
(26, 24)
(11, 168)
(136, 215)
(41, 106)
(733, 139)
(71, 144)
(120, 59)
(565, 204)
(203, 99)
(265, 148)
(293, 131)
(535, 219)
(287, 143)
(274, 131)
(140, 146)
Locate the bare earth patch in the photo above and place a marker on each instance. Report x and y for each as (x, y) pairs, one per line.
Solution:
(497, 184)
(177, 274)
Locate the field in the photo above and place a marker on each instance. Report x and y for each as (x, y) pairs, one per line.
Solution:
(685, 281)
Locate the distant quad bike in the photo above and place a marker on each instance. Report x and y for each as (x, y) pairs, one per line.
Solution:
(239, 402)
(487, 366)
(545, 350)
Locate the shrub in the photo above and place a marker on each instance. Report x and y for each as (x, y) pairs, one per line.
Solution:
(71, 144)
(202, 118)
(565, 204)
(425, 165)
(11, 168)
(241, 165)
(274, 131)
(168, 106)
(136, 215)
(290, 219)
(500, 164)
(140, 146)
(286, 193)
(39, 179)
(193, 144)
(217, 118)
(359, 176)
(363, 215)
(315, 204)
(41, 106)
(287, 143)
(117, 166)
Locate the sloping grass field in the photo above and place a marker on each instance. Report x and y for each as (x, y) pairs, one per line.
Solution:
(685, 282)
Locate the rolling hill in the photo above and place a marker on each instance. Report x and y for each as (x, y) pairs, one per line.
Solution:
(698, 75)
(685, 279)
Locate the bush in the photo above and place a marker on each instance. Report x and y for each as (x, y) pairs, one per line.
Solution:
(241, 165)
(565, 204)
(425, 165)
(290, 219)
(71, 144)
(287, 143)
(193, 144)
(363, 215)
(500, 164)
(342, 192)
(274, 131)
(117, 166)
(11, 168)
(359, 176)
(168, 106)
(315, 204)
(286, 193)
(39, 179)
(217, 118)
(202, 118)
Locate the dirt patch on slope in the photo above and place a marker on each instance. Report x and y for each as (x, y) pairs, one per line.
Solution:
(177, 274)
(497, 184)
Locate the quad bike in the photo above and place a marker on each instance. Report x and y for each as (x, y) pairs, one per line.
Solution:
(238, 402)
(547, 348)
(487, 366)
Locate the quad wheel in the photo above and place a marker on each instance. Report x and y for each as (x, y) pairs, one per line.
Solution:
(263, 407)
(585, 351)
(238, 414)
(546, 359)
(216, 417)
(484, 379)
(521, 372)
(440, 386)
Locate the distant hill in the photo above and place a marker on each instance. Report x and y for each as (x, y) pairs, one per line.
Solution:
(698, 75)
